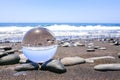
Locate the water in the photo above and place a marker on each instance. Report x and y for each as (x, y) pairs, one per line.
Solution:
(14, 32)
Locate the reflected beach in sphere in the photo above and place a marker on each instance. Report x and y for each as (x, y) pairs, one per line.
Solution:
(39, 45)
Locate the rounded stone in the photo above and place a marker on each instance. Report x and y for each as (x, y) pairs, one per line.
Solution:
(27, 66)
(107, 67)
(53, 66)
(68, 61)
(9, 59)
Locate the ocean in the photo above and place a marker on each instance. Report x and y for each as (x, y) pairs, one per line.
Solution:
(14, 32)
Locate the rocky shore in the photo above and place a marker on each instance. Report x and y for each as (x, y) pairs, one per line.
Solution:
(74, 60)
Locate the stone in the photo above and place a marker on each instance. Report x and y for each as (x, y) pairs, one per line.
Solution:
(119, 55)
(7, 52)
(66, 44)
(117, 43)
(2, 54)
(92, 59)
(78, 44)
(96, 47)
(102, 48)
(6, 48)
(9, 59)
(90, 50)
(11, 51)
(108, 67)
(68, 61)
(53, 66)
(27, 66)
(23, 58)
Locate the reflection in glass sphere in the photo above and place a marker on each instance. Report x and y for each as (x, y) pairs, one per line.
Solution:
(39, 45)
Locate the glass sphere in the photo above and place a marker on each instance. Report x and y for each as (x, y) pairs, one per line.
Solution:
(39, 45)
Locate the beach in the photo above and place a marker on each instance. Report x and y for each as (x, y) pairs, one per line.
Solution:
(83, 71)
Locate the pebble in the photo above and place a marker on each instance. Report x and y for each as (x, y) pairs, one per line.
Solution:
(108, 67)
(9, 59)
(66, 44)
(90, 50)
(7, 52)
(78, 44)
(102, 48)
(27, 66)
(53, 66)
(92, 59)
(119, 55)
(6, 48)
(68, 61)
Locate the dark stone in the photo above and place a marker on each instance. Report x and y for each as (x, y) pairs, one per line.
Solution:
(27, 66)
(11, 51)
(116, 43)
(6, 48)
(9, 59)
(4, 53)
(53, 66)
(90, 50)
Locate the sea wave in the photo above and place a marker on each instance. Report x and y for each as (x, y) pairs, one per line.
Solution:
(15, 33)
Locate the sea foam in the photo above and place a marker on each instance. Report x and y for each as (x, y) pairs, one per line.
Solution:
(15, 33)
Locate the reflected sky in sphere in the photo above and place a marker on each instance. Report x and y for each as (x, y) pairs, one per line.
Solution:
(39, 45)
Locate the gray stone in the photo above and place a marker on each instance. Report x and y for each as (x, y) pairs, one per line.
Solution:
(102, 48)
(53, 66)
(78, 44)
(92, 59)
(9, 59)
(107, 67)
(117, 43)
(90, 50)
(7, 52)
(6, 48)
(68, 61)
(27, 66)
(119, 55)
(96, 47)
(66, 44)
(11, 51)
(2, 54)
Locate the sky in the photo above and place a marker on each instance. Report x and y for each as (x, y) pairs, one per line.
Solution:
(60, 11)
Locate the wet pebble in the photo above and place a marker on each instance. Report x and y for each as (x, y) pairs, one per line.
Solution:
(53, 66)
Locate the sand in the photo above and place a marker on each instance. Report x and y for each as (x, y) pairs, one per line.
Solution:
(77, 72)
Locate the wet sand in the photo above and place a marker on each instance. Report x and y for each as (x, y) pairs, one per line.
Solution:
(77, 72)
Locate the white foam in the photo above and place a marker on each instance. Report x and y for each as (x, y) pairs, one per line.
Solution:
(68, 27)
(14, 32)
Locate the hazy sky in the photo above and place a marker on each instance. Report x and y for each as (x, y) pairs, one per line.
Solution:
(83, 11)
